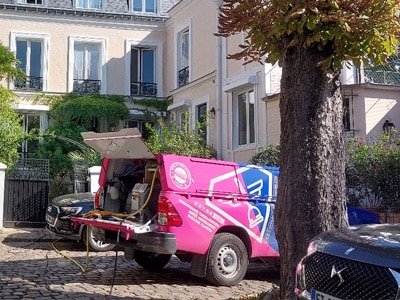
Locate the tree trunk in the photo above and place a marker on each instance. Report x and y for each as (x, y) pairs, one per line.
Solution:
(311, 191)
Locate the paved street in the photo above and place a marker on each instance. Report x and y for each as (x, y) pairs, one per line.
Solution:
(32, 267)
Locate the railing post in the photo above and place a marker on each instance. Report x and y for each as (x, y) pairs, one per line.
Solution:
(3, 169)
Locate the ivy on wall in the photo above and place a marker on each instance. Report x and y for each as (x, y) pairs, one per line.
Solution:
(152, 105)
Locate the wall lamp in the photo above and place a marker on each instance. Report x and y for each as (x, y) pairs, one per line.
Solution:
(212, 113)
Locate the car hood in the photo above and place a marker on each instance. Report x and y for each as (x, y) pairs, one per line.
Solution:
(374, 243)
(73, 199)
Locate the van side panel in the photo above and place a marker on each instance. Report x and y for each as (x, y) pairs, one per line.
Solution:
(212, 196)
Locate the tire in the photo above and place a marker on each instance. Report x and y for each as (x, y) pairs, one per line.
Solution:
(95, 244)
(151, 261)
(227, 260)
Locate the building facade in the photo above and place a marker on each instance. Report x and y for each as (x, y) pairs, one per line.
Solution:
(161, 48)
(80, 46)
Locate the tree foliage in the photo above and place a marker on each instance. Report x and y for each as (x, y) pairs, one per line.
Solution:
(11, 133)
(180, 139)
(85, 112)
(267, 156)
(62, 143)
(373, 172)
(9, 64)
(311, 40)
(358, 31)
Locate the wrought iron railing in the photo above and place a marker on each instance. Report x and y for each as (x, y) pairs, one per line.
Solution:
(30, 168)
(183, 77)
(86, 86)
(145, 89)
(29, 83)
(382, 76)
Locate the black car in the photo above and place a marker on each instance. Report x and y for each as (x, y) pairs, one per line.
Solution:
(360, 263)
(58, 220)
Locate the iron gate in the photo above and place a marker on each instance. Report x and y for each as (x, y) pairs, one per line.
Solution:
(26, 193)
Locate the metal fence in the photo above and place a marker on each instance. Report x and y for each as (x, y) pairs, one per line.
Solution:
(26, 193)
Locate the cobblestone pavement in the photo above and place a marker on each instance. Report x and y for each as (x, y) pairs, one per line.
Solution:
(32, 266)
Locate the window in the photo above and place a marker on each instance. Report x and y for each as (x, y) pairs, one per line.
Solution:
(144, 6)
(141, 125)
(30, 124)
(95, 4)
(143, 79)
(346, 113)
(86, 68)
(244, 112)
(29, 55)
(183, 57)
(201, 118)
(31, 1)
(348, 122)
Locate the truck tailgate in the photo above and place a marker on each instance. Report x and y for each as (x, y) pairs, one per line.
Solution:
(125, 226)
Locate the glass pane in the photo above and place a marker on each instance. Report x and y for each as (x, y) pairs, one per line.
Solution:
(93, 62)
(185, 49)
(201, 117)
(148, 66)
(251, 117)
(151, 6)
(36, 59)
(134, 65)
(82, 3)
(79, 55)
(95, 4)
(32, 126)
(242, 140)
(22, 47)
(137, 5)
(346, 113)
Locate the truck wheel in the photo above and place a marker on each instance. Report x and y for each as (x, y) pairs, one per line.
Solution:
(151, 261)
(227, 260)
(95, 244)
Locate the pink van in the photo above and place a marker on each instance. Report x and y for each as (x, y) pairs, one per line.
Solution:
(217, 215)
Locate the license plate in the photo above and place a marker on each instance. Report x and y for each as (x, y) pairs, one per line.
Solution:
(50, 219)
(317, 295)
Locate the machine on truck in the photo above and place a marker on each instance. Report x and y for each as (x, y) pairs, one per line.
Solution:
(217, 215)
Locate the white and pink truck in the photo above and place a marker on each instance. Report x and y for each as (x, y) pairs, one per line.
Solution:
(217, 215)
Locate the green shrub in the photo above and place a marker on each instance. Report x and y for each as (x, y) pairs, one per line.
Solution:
(267, 156)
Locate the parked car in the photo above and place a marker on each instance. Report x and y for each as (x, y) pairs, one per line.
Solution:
(58, 219)
(358, 262)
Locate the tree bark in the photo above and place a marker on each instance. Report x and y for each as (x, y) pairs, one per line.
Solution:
(311, 191)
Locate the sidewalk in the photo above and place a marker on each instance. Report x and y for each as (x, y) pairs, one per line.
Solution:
(26, 235)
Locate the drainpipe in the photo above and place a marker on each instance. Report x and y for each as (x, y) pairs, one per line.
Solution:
(218, 114)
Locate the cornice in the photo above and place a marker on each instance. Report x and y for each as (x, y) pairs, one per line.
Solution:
(62, 15)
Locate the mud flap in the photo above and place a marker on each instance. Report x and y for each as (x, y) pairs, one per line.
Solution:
(199, 265)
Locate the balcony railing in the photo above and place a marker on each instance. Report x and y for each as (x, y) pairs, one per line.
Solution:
(183, 76)
(86, 86)
(382, 76)
(29, 83)
(144, 89)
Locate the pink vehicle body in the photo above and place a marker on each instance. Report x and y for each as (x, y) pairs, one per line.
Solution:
(218, 215)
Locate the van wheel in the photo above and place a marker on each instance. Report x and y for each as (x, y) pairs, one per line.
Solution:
(94, 243)
(151, 261)
(227, 260)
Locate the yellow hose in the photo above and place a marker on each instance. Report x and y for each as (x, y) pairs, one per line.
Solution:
(83, 269)
(105, 213)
